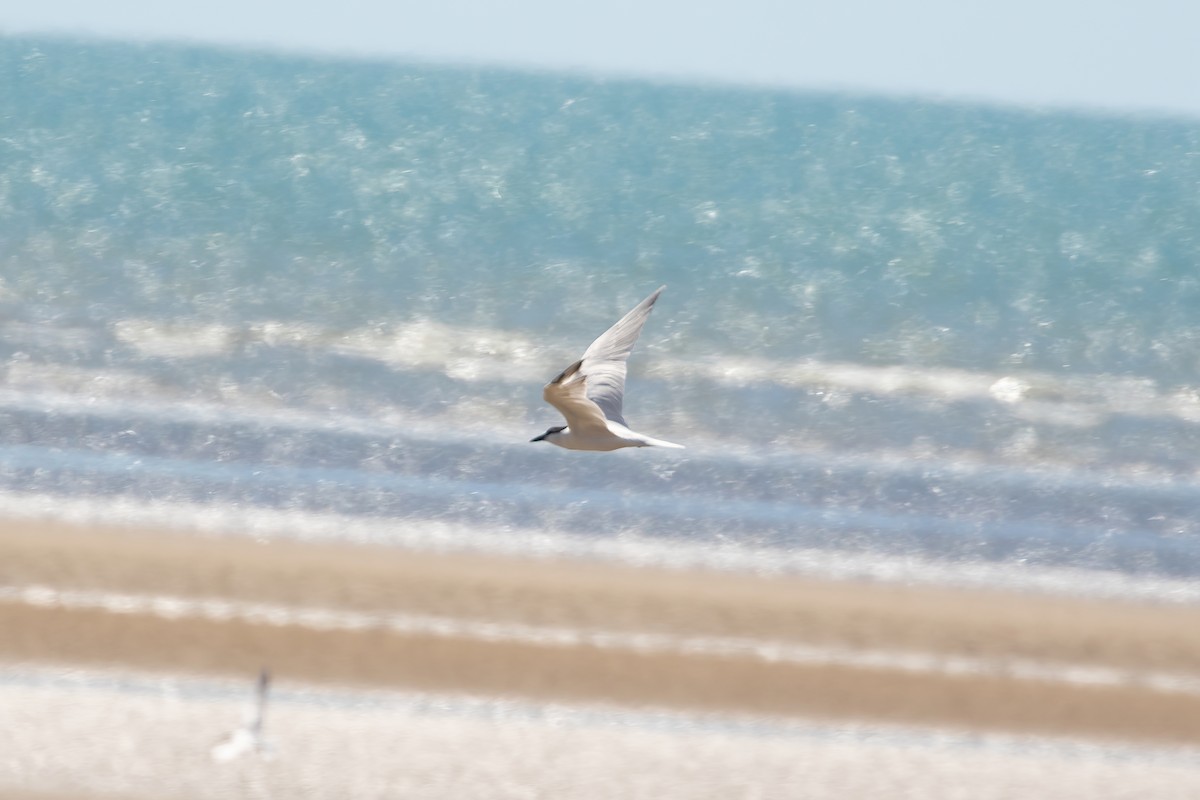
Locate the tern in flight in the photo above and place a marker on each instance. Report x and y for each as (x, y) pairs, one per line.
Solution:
(589, 392)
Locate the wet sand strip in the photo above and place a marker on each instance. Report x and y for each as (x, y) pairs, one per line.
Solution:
(606, 597)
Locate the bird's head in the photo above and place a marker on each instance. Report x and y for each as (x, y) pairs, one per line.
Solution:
(549, 434)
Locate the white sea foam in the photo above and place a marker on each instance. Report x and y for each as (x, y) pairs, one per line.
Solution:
(168, 340)
(474, 353)
(463, 353)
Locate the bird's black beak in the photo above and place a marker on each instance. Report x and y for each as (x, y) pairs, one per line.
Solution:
(538, 438)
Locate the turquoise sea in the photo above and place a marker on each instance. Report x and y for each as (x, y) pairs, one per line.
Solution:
(310, 297)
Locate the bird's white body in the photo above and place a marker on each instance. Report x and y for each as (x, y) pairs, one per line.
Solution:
(590, 393)
(237, 744)
(614, 437)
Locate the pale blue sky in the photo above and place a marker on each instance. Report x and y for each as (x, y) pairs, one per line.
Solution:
(1108, 54)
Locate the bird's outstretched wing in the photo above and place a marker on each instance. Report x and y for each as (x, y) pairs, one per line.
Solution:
(568, 393)
(602, 368)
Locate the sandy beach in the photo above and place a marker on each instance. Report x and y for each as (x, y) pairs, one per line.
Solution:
(586, 634)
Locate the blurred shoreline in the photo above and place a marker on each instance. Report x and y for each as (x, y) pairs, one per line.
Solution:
(580, 632)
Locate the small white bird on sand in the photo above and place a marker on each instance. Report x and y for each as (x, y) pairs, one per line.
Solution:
(589, 392)
(249, 737)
